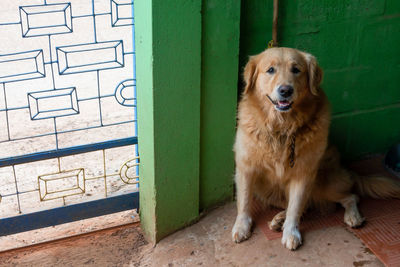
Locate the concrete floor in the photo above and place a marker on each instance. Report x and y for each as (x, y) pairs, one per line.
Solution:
(207, 243)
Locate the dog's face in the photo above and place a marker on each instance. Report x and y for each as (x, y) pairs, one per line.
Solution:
(283, 77)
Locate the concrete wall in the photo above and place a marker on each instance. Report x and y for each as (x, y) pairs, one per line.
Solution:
(187, 64)
(357, 44)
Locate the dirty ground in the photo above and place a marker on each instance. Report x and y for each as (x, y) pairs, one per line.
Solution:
(207, 243)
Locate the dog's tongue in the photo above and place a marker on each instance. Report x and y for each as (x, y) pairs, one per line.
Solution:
(283, 103)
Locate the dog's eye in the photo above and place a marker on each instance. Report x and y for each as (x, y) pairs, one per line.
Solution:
(271, 70)
(295, 70)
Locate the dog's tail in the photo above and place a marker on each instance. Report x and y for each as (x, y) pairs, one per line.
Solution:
(377, 186)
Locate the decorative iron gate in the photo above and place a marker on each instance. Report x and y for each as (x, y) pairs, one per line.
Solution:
(68, 145)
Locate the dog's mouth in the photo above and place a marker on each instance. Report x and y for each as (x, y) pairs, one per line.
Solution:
(281, 105)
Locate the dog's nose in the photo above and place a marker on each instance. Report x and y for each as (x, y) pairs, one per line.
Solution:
(285, 90)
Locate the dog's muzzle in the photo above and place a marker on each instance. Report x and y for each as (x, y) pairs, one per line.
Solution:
(284, 102)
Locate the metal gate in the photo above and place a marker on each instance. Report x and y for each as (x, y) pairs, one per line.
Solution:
(68, 145)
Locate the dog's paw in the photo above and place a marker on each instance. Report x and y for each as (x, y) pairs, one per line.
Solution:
(291, 238)
(275, 225)
(242, 228)
(353, 218)
(277, 222)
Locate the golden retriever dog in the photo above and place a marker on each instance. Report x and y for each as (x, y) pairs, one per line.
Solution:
(281, 151)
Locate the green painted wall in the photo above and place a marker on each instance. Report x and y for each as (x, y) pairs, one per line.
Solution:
(357, 44)
(168, 64)
(187, 63)
(187, 69)
(219, 68)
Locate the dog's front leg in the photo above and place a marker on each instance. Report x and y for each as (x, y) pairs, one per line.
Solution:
(291, 237)
(242, 228)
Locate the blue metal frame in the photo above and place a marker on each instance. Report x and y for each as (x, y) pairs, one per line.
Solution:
(67, 151)
(67, 214)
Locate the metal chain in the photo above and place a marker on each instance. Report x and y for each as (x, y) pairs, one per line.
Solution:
(292, 148)
(274, 41)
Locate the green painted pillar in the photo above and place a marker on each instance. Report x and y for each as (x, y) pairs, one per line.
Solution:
(168, 65)
(220, 51)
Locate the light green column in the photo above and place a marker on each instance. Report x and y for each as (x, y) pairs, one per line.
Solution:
(168, 65)
(220, 51)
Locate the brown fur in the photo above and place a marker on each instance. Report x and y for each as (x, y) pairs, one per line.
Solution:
(262, 148)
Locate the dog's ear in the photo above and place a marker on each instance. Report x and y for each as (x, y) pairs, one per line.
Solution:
(250, 74)
(315, 73)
